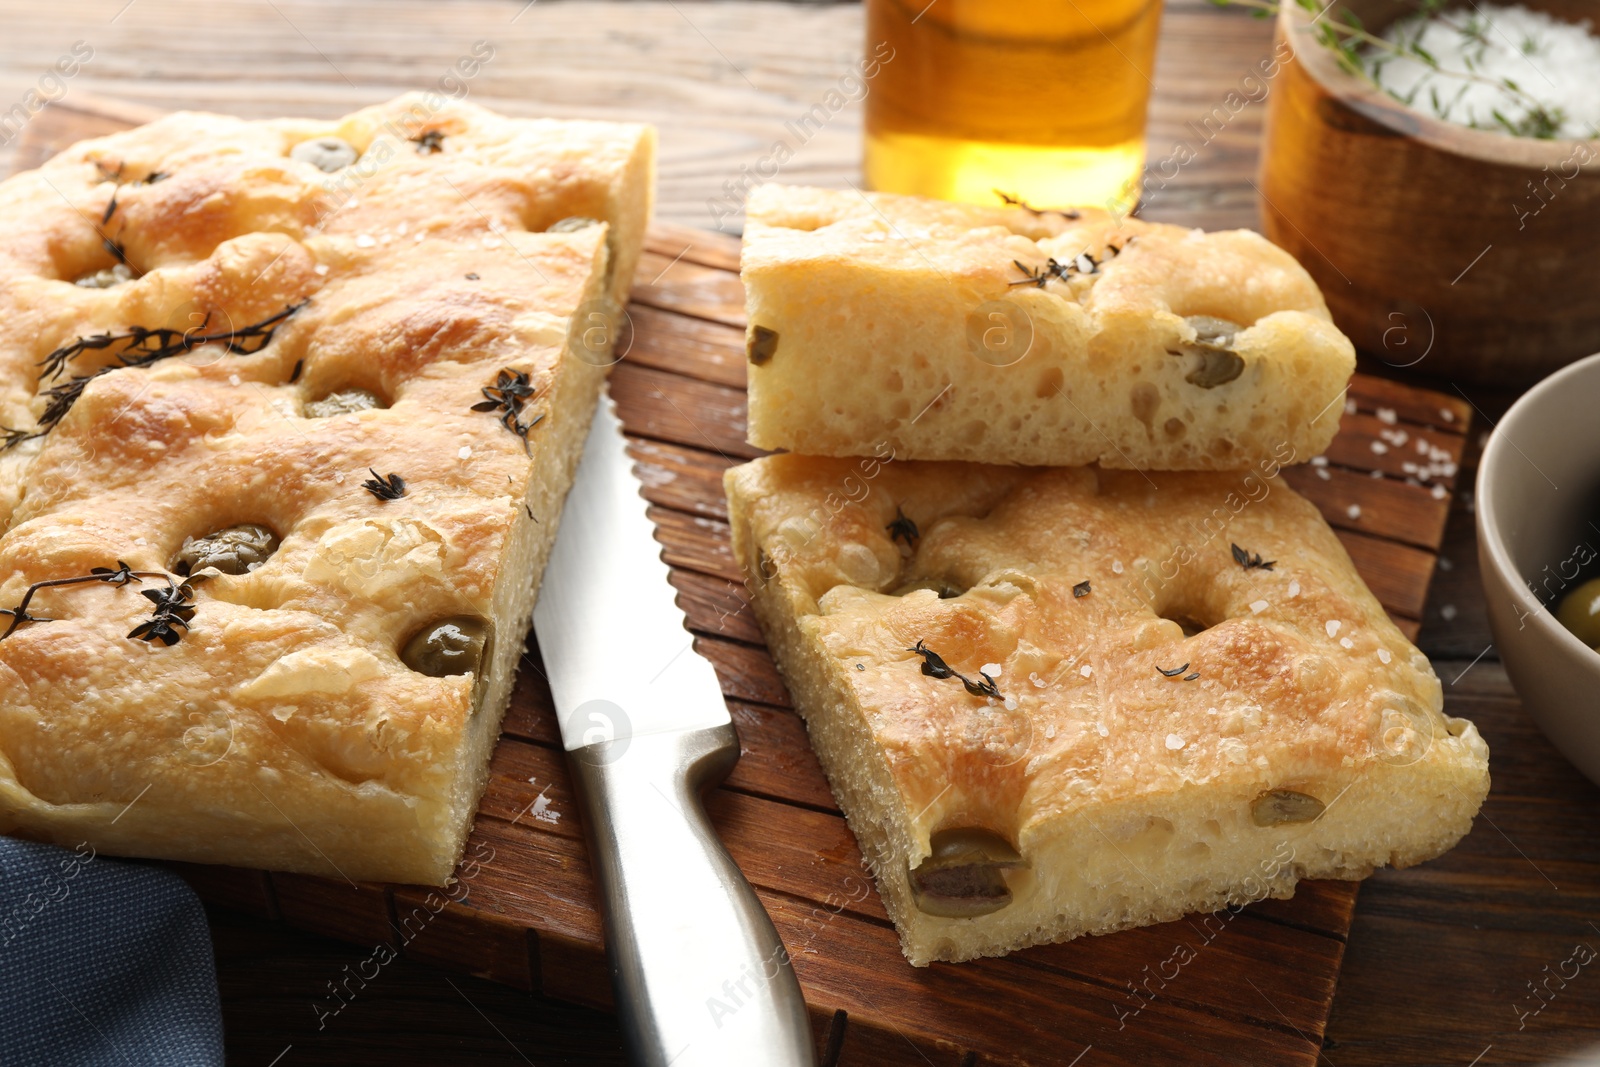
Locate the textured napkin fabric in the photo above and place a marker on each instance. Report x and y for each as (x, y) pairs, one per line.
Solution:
(102, 962)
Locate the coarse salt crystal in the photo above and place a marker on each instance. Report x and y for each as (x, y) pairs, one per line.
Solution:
(1377, 474)
(1086, 670)
(1100, 728)
(1174, 742)
(1447, 415)
(1440, 492)
(1011, 703)
(1319, 461)
(1332, 626)
(991, 669)
(1387, 415)
(1258, 606)
(466, 452)
(364, 240)
(1379, 447)
(1345, 642)
(1485, 67)
(1050, 731)
(1384, 656)
(1294, 587)
(1322, 472)
(1039, 683)
(1116, 566)
(321, 268)
(1354, 511)
(1447, 612)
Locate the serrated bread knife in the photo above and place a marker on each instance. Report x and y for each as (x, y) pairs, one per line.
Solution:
(699, 973)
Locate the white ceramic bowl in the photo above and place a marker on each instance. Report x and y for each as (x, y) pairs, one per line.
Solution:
(1538, 493)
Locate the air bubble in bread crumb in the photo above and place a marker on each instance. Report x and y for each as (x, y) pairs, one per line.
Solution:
(1384, 656)
(466, 452)
(991, 669)
(1174, 742)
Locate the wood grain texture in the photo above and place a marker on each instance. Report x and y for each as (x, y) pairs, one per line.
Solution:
(1432, 969)
(523, 910)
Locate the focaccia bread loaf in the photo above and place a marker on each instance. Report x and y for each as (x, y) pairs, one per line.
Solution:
(1074, 701)
(1005, 335)
(365, 351)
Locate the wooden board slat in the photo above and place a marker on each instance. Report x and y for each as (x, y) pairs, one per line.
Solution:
(1259, 987)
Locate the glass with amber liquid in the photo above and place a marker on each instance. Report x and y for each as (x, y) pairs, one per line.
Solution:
(1043, 100)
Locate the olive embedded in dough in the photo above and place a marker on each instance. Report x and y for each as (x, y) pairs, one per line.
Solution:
(344, 402)
(327, 154)
(1580, 612)
(761, 345)
(1278, 806)
(235, 550)
(572, 224)
(449, 646)
(963, 877)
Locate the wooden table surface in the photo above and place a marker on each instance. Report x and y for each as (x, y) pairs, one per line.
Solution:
(1443, 960)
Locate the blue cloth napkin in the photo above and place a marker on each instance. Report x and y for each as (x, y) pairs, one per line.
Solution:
(102, 961)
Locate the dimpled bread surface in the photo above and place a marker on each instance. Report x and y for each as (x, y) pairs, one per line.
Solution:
(878, 319)
(283, 729)
(1152, 687)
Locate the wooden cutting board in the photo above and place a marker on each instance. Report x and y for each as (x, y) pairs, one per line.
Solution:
(1252, 987)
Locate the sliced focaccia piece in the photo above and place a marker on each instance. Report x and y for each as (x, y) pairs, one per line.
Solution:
(1004, 335)
(1063, 702)
(288, 433)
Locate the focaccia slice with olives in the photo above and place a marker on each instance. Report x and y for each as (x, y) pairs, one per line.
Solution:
(1006, 335)
(290, 409)
(1055, 702)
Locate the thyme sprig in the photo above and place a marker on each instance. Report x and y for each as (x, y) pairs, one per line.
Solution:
(122, 574)
(174, 609)
(1083, 263)
(392, 487)
(934, 666)
(1016, 201)
(903, 529)
(143, 346)
(1250, 560)
(508, 395)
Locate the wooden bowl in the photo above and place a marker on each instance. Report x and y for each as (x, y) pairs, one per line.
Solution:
(1464, 253)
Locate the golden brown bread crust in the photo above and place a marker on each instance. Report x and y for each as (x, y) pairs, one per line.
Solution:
(283, 730)
(891, 320)
(1129, 791)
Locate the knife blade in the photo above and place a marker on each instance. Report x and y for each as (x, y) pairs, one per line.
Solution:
(699, 973)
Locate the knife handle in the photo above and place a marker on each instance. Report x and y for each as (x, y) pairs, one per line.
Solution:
(699, 973)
